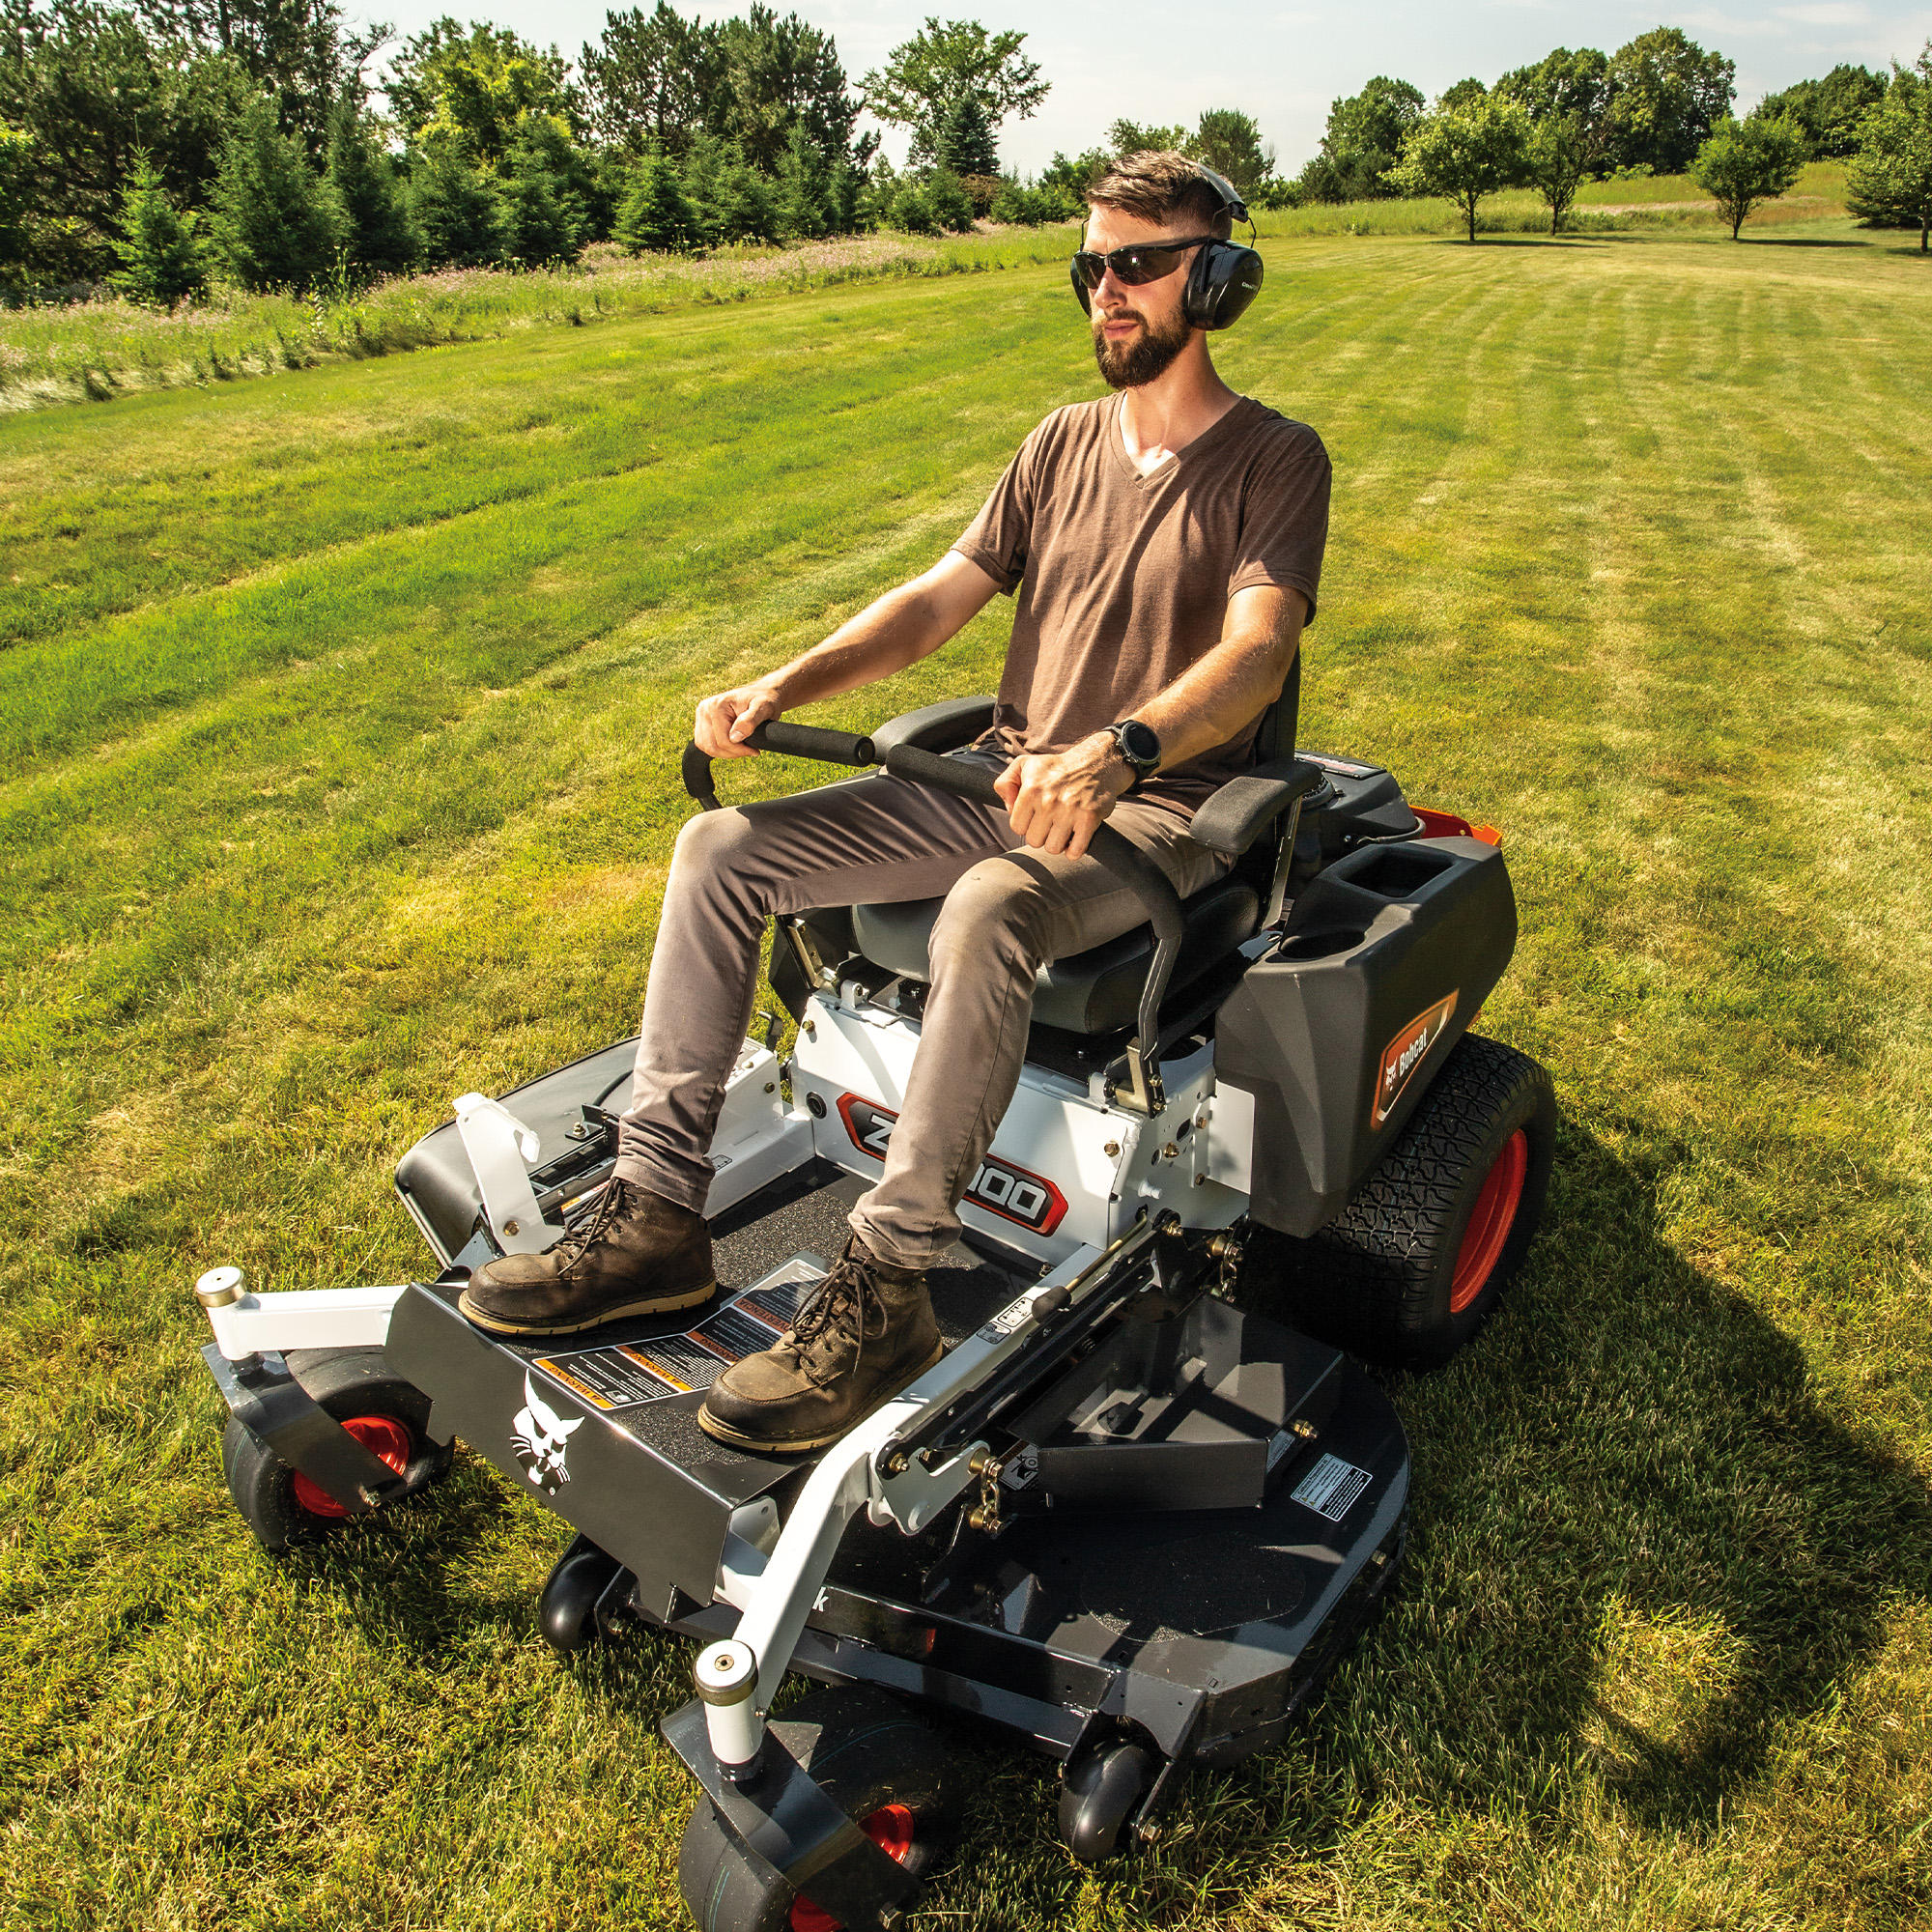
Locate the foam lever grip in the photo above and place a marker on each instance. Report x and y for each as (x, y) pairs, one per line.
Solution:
(812, 741)
(953, 775)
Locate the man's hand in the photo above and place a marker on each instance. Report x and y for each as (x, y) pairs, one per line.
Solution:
(724, 721)
(1055, 800)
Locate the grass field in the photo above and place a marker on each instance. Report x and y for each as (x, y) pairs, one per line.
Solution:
(339, 718)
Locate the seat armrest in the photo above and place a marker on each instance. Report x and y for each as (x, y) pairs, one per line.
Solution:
(936, 728)
(1236, 815)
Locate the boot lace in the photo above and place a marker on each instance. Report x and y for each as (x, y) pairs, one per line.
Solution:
(587, 1231)
(837, 1306)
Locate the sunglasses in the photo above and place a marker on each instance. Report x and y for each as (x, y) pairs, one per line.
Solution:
(1132, 267)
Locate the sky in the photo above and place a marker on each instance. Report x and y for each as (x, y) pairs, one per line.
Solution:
(1158, 62)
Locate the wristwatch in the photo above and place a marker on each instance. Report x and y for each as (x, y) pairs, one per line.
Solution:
(1139, 746)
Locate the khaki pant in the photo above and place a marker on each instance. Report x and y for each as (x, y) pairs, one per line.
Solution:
(874, 839)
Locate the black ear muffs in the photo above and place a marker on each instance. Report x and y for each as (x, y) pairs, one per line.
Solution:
(1224, 278)
(1226, 275)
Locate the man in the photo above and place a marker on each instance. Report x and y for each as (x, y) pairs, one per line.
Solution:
(1165, 543)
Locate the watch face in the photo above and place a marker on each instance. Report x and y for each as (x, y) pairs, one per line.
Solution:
(1139, 743)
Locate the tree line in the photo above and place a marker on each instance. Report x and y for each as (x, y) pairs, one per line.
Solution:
(162, 142)
(156, 144)
(1658, 105)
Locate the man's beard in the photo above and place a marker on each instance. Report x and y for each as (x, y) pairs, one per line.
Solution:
(1143, 358)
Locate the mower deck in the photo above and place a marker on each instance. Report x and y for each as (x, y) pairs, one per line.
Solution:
(1200, 1630)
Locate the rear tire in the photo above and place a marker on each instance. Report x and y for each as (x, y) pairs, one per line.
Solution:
(877, 1760)
(1417, 1262)
(356, 1386)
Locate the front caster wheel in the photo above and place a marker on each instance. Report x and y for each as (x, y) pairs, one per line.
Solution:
(1103, 1790)
(387, 1416)
(876, 1761)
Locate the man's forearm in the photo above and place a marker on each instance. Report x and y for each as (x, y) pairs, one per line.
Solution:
(1217, 697)
(891, 633)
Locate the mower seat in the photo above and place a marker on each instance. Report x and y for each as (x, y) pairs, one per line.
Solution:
(1099, 990)
(1088, 992)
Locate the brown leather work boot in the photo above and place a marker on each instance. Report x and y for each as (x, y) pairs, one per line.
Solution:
(635, 1252)
(867, 1331)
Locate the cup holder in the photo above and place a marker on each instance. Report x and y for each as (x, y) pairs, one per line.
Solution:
(1322, 943)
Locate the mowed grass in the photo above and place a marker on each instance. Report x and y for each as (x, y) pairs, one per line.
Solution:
(340, 717)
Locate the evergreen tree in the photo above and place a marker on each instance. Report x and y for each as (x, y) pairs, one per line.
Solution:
(966, 143)
(802, 200)
(729, 199)
(160, 263)
(654, 213)
(945, 194)
(539, 217)
(276, 223)
(15, 150)
(454, 206)
(381, 239)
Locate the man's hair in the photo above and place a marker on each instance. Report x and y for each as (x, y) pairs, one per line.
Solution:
(1159, 186)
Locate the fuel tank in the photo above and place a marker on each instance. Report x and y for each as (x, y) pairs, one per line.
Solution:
(1337, 1030)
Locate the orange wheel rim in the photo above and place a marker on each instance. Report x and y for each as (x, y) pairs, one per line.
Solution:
(893, 1829)
(383, 1436)
(1489, 1229)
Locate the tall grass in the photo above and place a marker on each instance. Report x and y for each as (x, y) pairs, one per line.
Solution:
(95, 350)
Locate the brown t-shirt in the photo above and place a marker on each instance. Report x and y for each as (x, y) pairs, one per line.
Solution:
(1123, 580)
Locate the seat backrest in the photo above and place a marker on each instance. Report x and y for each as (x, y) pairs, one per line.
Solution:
(1274, 736)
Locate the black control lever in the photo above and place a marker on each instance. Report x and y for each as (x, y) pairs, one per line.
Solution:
(797, 741)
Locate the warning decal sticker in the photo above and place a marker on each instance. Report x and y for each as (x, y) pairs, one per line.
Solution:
(629, 1373)
(1331, 1487)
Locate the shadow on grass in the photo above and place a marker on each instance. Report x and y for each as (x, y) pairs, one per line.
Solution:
(1800, 241)
(1662, 1545)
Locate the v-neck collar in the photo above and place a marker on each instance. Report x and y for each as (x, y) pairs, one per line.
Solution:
(1117, 446)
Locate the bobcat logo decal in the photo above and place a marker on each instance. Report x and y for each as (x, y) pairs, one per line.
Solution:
(543, 1439)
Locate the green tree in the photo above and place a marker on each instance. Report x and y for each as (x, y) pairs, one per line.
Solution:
(275, 223)
(923, 76)
(966, 144)
(654, 213)
(1465, 153)
(777, 75)
(453, 205)
(946, 195)
(16, 174)
(161, 260)
(539, 213)
(1889, 180)
(1230, 142)
(731, 200)
(1564, 86)
(1362, 142)
(1130, 137)
(90, 90)
(1746, 163)
(1064, 183)
(651, 79)
(1556, 159)
(1830, 112)
(477, 83)
(1667, 95)
(380, 238)
(301, 52)
(1464, 93)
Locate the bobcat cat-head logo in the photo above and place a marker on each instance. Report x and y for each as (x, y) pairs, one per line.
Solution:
(543, 1439)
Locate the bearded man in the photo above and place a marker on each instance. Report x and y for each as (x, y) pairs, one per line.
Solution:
(1165, 545)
